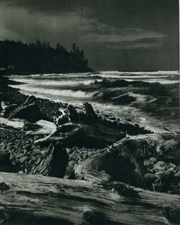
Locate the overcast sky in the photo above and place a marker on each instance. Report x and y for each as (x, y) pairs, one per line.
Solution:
(124, 35)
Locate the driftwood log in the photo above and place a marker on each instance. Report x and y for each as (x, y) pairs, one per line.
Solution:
(43, 127)
(35, 199)
(91, 127)
(16, 123)
(107, 195)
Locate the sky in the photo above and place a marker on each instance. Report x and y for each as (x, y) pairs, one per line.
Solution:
(123, 35)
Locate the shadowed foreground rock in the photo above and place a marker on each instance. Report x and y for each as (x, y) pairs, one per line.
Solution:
(35, 199)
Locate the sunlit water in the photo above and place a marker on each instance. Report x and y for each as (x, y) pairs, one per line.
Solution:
(71, 88)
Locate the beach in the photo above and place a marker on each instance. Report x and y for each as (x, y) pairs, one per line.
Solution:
(129, 147)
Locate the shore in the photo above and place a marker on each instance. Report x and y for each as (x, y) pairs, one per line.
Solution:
(54, 139)
(152, 103)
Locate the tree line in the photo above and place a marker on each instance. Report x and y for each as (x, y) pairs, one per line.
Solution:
(40, 57)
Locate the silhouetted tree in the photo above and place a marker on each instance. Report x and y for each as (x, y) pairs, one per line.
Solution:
(40, 57)
(78, 61)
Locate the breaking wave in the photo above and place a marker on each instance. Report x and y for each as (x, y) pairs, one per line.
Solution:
(53, 92)
(54, 82)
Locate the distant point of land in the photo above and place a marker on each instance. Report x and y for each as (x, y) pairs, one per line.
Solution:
(40, 57)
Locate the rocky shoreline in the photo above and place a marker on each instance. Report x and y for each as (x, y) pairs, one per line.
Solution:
(89, 147)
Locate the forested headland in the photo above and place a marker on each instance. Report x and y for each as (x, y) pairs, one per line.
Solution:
(40, 57)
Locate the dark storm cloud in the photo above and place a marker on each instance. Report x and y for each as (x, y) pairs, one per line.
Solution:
(103, 28)
(20, 23)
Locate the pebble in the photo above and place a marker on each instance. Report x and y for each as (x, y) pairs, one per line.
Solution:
(159, 173)
(146, 163)
(177, 174)
(160, 163)
(90, 153)
(172, 165)
(150, 176)
(170, 169)
(158, 167)
(71, 163)
(169, 172)
(153, 159)
(19, 155)
(23, 159)
(25, 151)
(69, 150)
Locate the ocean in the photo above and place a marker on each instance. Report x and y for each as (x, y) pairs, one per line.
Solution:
(112, 93)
